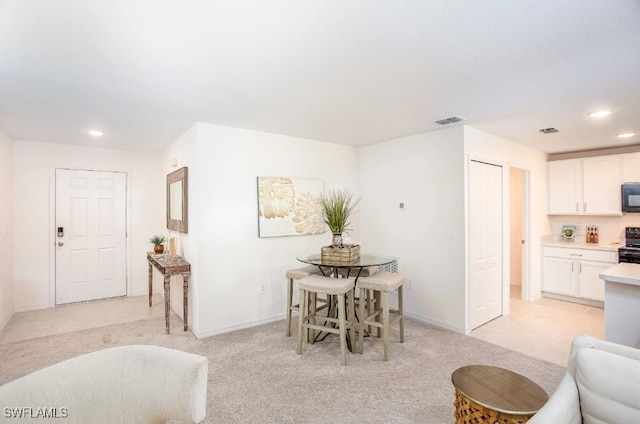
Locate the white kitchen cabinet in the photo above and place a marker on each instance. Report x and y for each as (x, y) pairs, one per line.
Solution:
(574, 273)
(565, 186)
(591, 286)
(588, 186)
(601, 185)
(559, 276)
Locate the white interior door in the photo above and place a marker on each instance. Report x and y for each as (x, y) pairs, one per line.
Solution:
(485, 238)
(91, 235)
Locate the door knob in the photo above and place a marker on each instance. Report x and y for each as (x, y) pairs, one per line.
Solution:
(60, 243)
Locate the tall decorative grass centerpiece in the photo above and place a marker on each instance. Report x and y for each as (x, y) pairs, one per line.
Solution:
(338, 205)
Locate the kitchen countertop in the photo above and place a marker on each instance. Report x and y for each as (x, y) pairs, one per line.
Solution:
(549, 241)
(624, 273)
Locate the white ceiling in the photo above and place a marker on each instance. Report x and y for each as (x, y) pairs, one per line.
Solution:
(353, 72)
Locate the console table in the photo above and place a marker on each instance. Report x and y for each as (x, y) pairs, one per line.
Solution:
(168, 266)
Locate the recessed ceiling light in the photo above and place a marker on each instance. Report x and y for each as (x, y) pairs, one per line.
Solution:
(600, 113)
(95, 133)
(626, 135)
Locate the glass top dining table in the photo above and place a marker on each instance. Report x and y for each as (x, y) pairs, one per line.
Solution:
(365, 260)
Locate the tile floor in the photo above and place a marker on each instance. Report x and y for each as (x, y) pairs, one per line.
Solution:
(80, 316)
(542, 329)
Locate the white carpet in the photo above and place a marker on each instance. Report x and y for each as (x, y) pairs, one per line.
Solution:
(255, 375)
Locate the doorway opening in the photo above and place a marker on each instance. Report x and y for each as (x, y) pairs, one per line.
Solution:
(518, 230)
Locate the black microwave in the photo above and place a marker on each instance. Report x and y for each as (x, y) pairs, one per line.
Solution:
(631, 197)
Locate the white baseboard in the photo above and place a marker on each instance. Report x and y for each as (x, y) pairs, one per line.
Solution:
(242, 326)
(28, 308)
(6, 319)
(201, 335)
(435, 323)
(588, 302)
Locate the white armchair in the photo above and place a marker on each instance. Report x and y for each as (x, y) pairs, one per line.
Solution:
(128, 384)
(601, 385)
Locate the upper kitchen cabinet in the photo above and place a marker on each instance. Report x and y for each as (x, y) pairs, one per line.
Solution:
(565, 182)
(601, 185)
(589, 186)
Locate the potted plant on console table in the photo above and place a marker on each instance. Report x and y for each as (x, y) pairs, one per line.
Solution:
(157, 241)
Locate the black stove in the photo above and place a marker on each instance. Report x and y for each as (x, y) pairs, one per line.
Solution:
(630, 252)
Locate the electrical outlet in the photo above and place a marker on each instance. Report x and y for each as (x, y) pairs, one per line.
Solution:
(408, 283)
(262, 287)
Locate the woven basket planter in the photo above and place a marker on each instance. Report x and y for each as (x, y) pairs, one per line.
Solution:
(469, 412)
(342, 255)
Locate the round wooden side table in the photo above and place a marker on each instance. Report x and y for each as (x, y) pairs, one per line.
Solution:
(486, 394)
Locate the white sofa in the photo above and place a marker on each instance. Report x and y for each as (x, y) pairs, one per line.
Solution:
(128, 384)
(601, 385)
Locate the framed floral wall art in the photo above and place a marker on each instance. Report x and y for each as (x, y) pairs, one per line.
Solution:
(289, 207)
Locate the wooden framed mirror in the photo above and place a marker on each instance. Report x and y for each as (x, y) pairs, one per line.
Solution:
(177, 211)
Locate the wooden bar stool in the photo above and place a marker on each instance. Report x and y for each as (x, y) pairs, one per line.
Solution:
(381, 284)
(358, 273)
(343, 289)
(297, 274)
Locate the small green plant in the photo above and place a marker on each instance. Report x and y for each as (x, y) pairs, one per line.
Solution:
(157, 240)
(338, 206)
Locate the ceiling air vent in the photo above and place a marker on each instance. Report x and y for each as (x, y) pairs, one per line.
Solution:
(548, 130)
(451, 120)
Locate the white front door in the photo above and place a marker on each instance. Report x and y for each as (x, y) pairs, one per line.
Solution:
(90, 235)
(485, 238)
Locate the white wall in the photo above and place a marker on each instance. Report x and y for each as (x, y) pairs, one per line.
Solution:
(489, 148)
(6, 228)
(34, 228)
(230, 259)
(427, 172)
